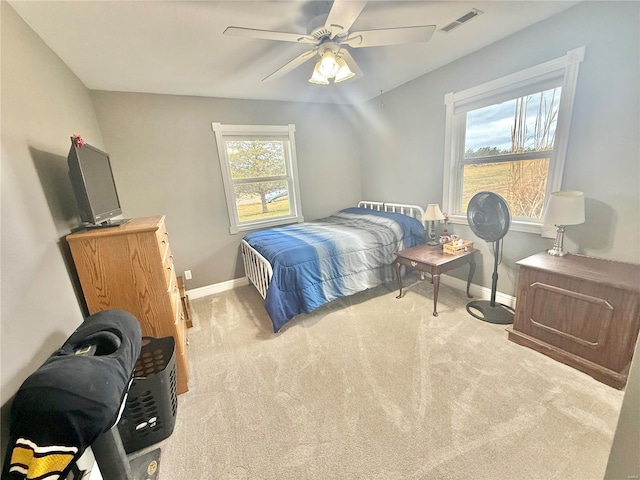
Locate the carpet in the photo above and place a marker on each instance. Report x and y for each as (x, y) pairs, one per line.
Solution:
(374, 387)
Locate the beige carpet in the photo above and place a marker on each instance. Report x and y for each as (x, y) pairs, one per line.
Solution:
(371, 387)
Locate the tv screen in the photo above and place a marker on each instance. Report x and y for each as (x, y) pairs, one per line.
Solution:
(93, 184)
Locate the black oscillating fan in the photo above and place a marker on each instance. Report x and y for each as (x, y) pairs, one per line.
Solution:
(489, 218)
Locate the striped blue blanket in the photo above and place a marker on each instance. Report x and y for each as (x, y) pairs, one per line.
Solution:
(319, 261)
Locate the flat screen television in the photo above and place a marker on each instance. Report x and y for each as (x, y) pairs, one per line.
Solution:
(93, 185)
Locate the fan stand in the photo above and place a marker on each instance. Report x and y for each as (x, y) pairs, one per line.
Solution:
(490, 311)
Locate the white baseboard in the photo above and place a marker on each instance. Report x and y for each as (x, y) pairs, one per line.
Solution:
(482, 293)
(217, 287)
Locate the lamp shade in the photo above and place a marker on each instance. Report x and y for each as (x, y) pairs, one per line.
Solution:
(433, 212)
(344, 72)
(317, 77)
(565, 208)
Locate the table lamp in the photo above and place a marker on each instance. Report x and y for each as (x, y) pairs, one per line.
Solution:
(432, 213)
(564, 208)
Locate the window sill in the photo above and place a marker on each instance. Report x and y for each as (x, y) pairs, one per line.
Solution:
(515, 226)
(265, 224)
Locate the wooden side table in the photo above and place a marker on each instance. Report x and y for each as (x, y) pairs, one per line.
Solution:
(433, 261)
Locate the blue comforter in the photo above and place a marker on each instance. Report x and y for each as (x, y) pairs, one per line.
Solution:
(319, 261)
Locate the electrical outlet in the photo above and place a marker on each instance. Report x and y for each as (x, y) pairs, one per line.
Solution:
(187, 274)
(548, 231)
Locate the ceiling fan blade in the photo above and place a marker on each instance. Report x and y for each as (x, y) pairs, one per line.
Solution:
(342, 15)
(296, 62)
(389, 36)
(353, 66)
(269, 35)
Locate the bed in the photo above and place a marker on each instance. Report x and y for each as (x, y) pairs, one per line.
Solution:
(298, 268)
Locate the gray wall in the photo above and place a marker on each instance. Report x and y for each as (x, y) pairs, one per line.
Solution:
(624, 460)
(406, 145)
(43, 104)
(165, 161)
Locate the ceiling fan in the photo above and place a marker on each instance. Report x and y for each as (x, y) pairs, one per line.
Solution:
(328, 36)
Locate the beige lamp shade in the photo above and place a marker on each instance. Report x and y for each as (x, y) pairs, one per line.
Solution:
(317, 77)
(565, 208)
(433, 212)
(344, 73)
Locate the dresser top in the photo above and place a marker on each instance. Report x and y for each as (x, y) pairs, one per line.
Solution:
(610, 272)
(132, 225)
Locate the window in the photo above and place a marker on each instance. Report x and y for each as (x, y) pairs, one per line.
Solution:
(260, 175)
(509, 136)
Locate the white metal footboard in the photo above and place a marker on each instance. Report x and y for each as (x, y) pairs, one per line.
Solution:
(257, 268)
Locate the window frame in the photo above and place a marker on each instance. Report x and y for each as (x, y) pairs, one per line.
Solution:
(564, 72)
(282, 132)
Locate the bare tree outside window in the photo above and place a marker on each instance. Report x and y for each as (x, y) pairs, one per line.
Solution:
(528, 178)
(508, 148)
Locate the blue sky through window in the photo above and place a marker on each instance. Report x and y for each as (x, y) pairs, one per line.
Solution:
(490, 127)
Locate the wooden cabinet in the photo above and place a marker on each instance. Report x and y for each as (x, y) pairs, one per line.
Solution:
(582, 311)
(130, 267)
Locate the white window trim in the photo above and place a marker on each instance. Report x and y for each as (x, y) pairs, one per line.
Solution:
(220, 131)
(567, 66)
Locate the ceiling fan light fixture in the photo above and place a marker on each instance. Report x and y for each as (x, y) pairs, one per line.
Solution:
(328, 35)
(344, 72)
(317, 77)
(328, 65)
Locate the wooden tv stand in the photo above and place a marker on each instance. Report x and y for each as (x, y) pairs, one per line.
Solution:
(581, 311)
(130, 267)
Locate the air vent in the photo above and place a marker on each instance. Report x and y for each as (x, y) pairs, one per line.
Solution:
(463, 19)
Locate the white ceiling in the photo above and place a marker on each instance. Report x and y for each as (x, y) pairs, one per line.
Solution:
(177, 47)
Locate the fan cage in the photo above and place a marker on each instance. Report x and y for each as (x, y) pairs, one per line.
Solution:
(488, 216)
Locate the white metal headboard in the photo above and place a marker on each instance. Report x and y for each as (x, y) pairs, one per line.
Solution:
(414, 211)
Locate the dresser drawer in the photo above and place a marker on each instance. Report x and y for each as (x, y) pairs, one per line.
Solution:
(162, 237)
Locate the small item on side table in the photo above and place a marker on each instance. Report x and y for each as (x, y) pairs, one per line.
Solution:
(457, 247)
(444, 239)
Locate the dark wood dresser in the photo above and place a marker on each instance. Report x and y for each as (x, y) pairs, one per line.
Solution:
(581, 311)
